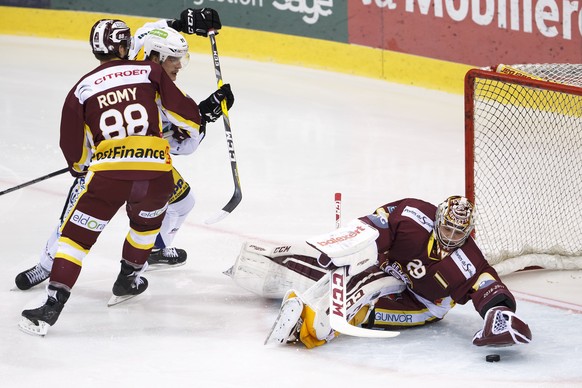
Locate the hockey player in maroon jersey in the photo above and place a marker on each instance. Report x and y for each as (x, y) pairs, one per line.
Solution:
(428, 249)
(110, 122)
(171, 51)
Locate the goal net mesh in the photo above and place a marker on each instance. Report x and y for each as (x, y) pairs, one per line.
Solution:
(524, 164)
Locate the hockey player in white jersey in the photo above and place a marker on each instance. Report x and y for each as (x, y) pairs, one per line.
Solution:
(158, 42)
(162, 44)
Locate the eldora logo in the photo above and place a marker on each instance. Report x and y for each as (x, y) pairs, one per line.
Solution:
(349, 235)
(337, 291)
(88, 222)
(153, 213)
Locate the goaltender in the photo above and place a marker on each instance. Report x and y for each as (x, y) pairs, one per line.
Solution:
(409, 263)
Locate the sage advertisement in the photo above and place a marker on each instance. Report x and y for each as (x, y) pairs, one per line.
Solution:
(473, 32)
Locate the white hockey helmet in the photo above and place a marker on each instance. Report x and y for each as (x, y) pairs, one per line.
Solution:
(168, 43)
(454, 221)
(107, 35)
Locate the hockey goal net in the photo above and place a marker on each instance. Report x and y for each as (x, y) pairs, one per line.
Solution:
(523, 156)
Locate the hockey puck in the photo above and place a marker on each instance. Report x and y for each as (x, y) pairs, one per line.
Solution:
(492, 358)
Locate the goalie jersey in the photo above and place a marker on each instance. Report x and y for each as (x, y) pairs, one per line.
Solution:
(435, 277)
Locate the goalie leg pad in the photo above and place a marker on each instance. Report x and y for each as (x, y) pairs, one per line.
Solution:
(363, 291)
(308, 333)
(367, 287)
(501, 327)
(263, 270)
(288, 321)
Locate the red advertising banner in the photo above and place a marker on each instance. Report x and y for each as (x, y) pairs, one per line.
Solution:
(473, 32)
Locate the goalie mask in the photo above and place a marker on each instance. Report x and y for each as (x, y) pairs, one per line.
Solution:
(168, 43)
(454, 222)
(107, 35)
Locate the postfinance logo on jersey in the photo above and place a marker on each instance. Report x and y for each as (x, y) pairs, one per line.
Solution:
(132, 153)
(88, 222)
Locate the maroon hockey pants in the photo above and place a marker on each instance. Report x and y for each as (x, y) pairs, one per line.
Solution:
(145, 203)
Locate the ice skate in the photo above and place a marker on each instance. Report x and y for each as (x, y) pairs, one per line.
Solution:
(38, 320)
(31, 277)
(166, 258)
(129, 283)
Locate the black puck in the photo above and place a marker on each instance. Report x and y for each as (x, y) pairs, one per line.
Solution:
(492, 358)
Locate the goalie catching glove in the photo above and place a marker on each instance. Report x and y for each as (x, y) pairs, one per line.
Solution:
(211, 108)
(197, 21)
(502, 328)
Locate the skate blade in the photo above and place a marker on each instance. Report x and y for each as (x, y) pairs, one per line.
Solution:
(161, 267)
(286, 321)
(27, 326)
(118, 299)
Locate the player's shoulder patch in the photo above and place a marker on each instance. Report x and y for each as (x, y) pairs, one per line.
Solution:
(419, 217)
(464, 263)
(380, 217)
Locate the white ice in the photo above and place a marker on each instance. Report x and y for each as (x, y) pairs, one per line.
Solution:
(300, 135)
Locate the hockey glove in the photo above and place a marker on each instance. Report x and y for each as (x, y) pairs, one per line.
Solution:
(502, 327)
(210, 108)
(197, 21)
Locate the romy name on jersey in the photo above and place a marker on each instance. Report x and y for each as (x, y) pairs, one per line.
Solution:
(109, 78)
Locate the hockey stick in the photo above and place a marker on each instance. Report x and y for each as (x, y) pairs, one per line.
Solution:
(337, 297)
(42, 178)
(237, 195)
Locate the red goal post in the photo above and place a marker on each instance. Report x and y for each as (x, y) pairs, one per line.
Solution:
(523, 164)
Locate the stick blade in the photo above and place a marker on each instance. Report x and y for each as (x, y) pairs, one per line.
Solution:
(218, 217)
(343, 327)
(227, 209)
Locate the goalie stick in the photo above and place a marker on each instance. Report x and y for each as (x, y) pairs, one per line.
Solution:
(40, 179)
(237, 195)
(338, 282)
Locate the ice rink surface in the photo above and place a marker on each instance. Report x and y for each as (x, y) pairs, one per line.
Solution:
(300, 135)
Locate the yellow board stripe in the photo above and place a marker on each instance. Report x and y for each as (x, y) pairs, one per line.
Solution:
(261, 46)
